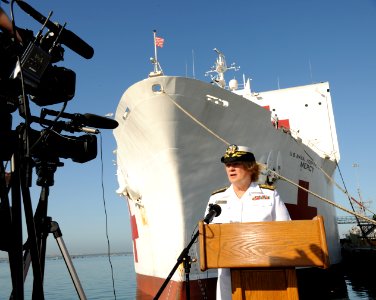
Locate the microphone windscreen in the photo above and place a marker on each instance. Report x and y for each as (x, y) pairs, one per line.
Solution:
(99, 121)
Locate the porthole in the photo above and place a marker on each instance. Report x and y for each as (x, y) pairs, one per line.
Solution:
(157, 88)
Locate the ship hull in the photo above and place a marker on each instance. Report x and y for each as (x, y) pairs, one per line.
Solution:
(172, 132)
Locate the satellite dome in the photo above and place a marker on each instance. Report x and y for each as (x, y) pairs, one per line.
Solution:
(233, 84)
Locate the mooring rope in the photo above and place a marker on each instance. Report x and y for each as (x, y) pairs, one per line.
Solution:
(344, 191)
(274, 172)
(198, 122)
(324, 199)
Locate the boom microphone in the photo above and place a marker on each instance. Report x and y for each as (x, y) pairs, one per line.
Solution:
(67, 37)
(98, 121)
(214, 211)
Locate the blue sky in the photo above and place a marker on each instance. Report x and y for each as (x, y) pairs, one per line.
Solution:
(289, 43)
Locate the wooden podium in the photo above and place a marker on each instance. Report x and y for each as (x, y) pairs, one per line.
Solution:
(263, 256)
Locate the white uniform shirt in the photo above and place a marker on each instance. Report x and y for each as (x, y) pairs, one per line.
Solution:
(256, 205)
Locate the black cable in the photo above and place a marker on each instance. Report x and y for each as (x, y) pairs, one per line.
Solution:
(13, 21)
(23, 109)
(106, 218)
(50, 127)
(347, 194)
(344, 185)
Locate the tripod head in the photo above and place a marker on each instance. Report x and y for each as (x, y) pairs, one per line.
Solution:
(45, 170)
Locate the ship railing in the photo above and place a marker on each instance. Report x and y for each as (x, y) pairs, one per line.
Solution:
(351, 220)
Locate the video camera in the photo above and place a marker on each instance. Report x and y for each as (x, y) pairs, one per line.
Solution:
(28, 70)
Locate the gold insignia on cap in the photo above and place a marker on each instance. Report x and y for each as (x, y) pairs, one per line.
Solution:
(231, 150)
(237, 153)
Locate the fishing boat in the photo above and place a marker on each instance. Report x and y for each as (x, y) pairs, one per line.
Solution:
(172, 132)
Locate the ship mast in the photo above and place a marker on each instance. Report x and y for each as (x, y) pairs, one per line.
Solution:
(220, 68)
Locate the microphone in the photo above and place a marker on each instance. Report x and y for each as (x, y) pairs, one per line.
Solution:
(214, 211)
(98, 121)
(84, 119)
(67, 126)
(67, 37)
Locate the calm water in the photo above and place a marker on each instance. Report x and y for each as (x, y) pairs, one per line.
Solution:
(94, 273)
(95, 276)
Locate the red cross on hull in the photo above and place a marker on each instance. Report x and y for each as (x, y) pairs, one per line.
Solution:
(301, 210)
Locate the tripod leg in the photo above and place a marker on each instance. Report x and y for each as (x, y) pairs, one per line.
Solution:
(42, 227)
(63, 249)
(38, 292)
(12, 221)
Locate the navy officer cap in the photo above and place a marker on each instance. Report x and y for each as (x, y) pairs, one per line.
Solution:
(237, 153)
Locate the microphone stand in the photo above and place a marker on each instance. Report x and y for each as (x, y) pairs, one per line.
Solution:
(214, 211)
(183, 258)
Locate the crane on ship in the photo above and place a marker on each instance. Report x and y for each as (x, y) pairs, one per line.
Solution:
(367, 229)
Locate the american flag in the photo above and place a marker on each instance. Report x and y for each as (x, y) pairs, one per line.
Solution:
(159, 41)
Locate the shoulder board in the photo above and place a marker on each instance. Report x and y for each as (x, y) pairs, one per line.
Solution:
(220, 190)
(266, 186)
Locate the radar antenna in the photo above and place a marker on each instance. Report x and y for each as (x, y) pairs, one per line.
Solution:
(219, 69)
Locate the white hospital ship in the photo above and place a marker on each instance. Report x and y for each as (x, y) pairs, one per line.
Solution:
(172, 132)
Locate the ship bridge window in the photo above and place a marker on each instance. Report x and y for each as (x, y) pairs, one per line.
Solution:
(157, 88)
(217, 100)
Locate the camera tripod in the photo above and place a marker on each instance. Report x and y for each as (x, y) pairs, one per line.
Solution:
(38, 225)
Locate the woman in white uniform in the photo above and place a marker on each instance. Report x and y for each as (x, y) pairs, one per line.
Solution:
(244, 201)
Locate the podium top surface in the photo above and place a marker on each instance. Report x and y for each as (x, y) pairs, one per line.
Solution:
(299, 243)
